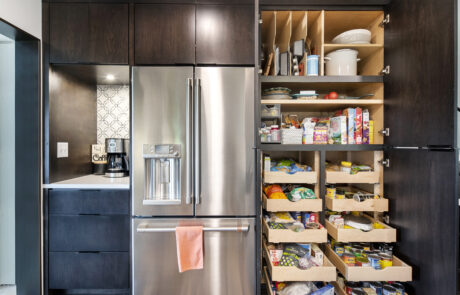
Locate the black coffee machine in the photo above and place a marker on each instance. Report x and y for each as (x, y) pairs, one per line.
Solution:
(117, 157)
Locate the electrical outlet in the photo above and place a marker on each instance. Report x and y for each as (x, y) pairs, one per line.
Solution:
(62, 149)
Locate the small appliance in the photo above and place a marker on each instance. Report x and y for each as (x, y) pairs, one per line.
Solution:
(117, 160)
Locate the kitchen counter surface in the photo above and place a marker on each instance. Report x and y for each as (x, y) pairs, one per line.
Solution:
(91, 182)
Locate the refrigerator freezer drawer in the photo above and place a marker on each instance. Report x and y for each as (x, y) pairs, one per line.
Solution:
(229, 258)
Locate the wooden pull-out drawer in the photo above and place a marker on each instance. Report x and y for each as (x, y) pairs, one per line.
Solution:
(387, 234)
(289, 236)
(283, 205)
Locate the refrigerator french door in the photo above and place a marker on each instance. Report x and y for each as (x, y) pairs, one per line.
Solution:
(193, 162)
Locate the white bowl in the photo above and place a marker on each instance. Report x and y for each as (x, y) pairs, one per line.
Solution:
(358, 36)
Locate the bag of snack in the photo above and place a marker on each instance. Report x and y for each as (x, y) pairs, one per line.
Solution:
(274, 191)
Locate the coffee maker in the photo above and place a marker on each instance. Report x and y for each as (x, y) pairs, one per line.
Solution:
(117, 159)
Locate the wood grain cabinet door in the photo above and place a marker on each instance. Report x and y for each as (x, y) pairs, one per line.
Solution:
(225, 34)
(164, 34)
(108, 33)
(69, 26)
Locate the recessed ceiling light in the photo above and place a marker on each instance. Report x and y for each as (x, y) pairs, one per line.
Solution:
(110, 77)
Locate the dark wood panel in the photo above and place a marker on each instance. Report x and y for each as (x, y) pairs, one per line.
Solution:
(108, 33)
(89, 201)
(164, 34)
(421, 186)
(88, 233)
(89, 270)
(252, 2)
(72, 119)
(69, 31)
(225, 34)
(420, 102)
(27, 166)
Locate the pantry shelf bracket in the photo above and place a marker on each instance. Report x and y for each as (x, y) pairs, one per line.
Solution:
(385, 70)
(385, 162)
(385, 131)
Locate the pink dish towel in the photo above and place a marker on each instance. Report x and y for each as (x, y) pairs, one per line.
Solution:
(189, 241)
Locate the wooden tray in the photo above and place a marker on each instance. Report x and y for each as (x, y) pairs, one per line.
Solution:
(283, 177)
(375, 205)
(289, 236)
(267, 282)
(400, 271)
(388, 234)
(338, 290)
(360, 177)
(283, 205)
(325, 273)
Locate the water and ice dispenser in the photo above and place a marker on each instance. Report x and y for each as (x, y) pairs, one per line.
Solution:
(162, 174)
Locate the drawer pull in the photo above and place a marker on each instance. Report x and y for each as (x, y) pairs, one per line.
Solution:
(144, 228)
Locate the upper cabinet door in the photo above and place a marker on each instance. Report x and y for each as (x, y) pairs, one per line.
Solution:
(69, 28)
(108, 33)
(420, 102)
(89, 33)
(225, 34)
(164, 34)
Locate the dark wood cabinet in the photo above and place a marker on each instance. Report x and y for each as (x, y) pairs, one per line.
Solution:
(89, 33)
(108, 33)
(164, 34)
(69, 26)
(225, 34)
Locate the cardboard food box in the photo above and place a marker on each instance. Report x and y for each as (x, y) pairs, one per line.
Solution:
(365, 127)
(358, 126)
(350, 113)
(371, 132)
(338, 130)
(320, 134)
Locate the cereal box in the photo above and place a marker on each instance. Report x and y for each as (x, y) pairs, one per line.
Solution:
(371, 132)
(358, 126)
(365, 127)
(338, 130)
(350, 113)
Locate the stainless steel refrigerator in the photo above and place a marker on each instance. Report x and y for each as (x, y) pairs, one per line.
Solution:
(193, 162)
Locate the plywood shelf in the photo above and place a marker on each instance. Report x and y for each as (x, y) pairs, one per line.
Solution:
(400, 271)
(374, 205)
(325, 273)
(289, 236)
(283, 205)
(338, 289)
(385, 235)
(281, 80)
(283, 177)
(364, 50)
(360, 177)
(321, 147)
(324, 102)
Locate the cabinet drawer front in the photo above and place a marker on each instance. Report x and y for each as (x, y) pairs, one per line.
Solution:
(89, 233)
(88, 270)
(89, 202)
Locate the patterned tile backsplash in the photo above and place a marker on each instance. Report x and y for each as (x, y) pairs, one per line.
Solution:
(112, 112)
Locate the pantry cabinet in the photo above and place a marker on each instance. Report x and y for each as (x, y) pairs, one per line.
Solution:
(414, 109)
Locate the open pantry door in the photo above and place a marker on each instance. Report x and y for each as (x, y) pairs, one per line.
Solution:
(421, 187)
(420, 103)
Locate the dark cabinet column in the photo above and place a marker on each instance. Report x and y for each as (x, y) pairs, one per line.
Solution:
(164, 34)
(225, 34)
(69, 26)
(108, 33)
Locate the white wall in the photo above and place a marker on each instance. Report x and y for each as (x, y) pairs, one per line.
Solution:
(7, 158)
(24, 14)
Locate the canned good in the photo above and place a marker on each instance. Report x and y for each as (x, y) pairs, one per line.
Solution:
(399, 288)
(340, 194)
(362, 261)
(377, 287)
(330, 191)
(348, 249)
(297, 216)
(385, 261)
(338, 249)
(388, 290)
(349, 286)
(374, 260)
(349, 259)
(358, 291)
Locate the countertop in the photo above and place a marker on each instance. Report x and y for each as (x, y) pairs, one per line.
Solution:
(92, 182)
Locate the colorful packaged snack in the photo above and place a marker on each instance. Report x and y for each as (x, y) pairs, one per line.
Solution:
(274, 191)
(358, 126)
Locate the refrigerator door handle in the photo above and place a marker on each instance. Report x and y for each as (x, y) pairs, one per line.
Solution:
(197, 135)
(144, 228)
(189, 141)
